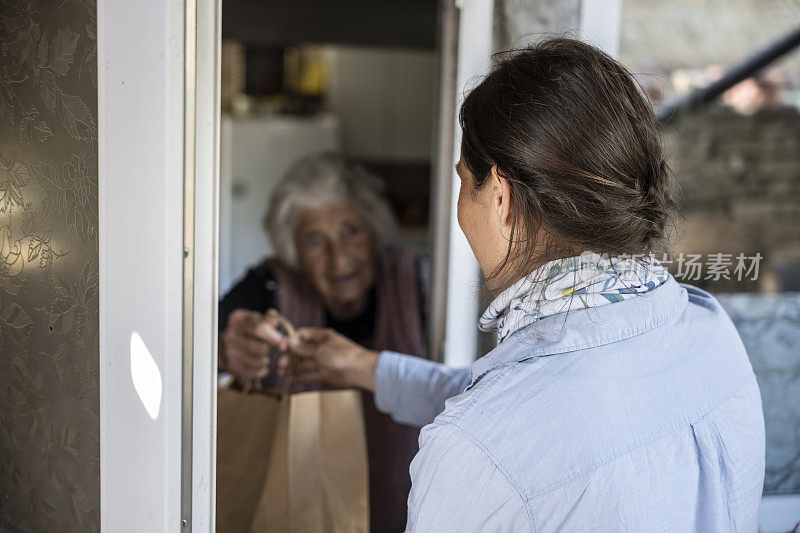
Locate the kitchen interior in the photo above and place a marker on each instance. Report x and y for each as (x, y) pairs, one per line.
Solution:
(311, 76)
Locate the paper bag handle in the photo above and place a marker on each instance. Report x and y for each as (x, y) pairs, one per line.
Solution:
(255, 384)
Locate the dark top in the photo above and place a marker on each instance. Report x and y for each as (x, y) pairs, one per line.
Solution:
(258, 291)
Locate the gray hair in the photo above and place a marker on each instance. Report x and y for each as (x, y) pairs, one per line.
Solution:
(319, 180)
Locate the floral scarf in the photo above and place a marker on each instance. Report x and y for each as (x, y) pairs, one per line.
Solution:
(583, 281)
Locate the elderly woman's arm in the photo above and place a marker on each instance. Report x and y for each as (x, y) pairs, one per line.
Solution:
(411, 389)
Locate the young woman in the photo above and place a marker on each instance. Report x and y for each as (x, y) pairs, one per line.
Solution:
(616, 399)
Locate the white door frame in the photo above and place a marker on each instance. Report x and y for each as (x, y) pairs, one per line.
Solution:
(206, 223)
(206, 265)
(465, 38)
(146, 134)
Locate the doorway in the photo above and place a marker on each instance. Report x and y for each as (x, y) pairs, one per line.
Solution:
(366, 90)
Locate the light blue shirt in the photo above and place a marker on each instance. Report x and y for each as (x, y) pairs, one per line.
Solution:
(639, 416)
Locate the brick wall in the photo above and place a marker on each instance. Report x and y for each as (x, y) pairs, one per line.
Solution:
(740, 190)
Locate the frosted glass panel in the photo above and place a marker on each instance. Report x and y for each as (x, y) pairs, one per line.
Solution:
(49, 397)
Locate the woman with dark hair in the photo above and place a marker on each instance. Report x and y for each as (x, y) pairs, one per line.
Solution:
(616, 399)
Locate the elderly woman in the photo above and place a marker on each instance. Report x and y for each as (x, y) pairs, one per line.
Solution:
(616, 399)
(334, 268)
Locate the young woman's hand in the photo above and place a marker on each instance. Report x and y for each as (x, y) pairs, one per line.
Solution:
(247, 341)
(324, 355)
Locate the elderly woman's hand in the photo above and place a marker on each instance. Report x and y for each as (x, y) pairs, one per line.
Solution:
(324, 355)
(247, 341)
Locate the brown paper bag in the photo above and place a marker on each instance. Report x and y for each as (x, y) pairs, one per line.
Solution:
(246, 427)
(318, 467)
(311, 460)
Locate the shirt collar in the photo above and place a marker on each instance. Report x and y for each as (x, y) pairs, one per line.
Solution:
(587, 328)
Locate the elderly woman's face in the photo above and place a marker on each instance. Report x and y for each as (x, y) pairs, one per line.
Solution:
(336, 250)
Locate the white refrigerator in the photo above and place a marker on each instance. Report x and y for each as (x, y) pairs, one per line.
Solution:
(255, 152)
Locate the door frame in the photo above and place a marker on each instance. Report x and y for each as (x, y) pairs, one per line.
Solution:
(158, 148)
(158, 138)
